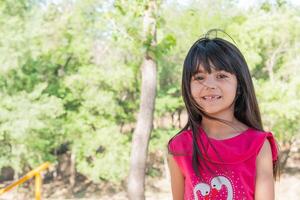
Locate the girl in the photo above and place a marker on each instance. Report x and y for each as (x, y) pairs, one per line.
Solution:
(223, 151)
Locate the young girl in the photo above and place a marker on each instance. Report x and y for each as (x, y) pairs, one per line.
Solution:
(222, 153)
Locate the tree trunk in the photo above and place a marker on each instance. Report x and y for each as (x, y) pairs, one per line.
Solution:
(141, 135)
(72, 178)
(285, 153)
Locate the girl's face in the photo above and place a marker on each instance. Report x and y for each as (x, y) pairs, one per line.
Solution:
(214, 92)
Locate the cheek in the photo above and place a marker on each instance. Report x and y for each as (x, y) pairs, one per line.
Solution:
(230, 87)
(232, 92)
(195, 89)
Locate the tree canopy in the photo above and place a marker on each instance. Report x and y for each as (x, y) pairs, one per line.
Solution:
(69, 74)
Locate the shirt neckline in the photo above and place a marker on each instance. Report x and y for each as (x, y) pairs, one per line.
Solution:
(226, 139)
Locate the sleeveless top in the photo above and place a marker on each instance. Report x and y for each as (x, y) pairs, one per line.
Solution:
(231, 164)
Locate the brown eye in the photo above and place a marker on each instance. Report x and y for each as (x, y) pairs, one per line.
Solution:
(199, 78)
(221, 76)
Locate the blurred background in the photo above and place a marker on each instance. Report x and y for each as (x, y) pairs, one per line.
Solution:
(70, 87)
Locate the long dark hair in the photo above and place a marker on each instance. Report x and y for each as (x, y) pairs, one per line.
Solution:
(221, 55)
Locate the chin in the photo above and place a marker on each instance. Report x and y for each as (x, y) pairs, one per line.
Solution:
(218, 112)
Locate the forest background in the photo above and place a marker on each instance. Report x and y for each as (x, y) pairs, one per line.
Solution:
(70, 81)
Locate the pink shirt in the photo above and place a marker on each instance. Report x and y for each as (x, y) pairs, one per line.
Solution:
(234, 175)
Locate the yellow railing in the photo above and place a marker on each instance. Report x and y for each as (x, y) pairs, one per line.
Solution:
(29, 175)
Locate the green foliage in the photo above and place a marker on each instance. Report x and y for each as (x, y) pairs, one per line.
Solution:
(56, 89)
(168, 102)
(102, 152)
(272, 57)
(28, 127)
(280, 116)
(70, 73)
(159, 139)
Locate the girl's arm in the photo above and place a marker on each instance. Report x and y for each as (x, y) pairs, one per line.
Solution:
(177, 179)
(264, 188)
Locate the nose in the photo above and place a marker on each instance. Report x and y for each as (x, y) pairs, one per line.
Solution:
(209, 83)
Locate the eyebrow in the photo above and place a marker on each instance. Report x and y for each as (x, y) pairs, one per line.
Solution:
(205, 72)
(200, 71)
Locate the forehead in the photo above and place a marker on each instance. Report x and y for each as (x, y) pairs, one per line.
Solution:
(208, 70)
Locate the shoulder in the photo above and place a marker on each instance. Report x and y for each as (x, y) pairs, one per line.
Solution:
(253, 141)
(259, 136)
(266, 145)
(258, 133)
(181, 142)
(265, 149)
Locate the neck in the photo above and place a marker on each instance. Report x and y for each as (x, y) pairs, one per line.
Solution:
(217, 129)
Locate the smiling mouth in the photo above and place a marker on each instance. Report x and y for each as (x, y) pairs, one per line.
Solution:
(211, 98)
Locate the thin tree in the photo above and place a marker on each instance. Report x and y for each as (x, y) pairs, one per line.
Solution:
(141, 135)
